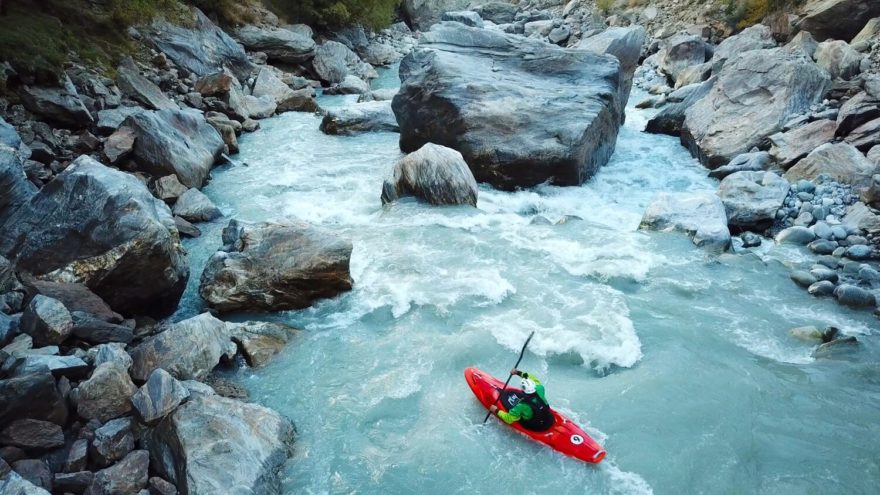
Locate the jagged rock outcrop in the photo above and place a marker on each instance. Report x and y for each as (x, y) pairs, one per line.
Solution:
(838, 19)
(201, 445)
(279, 44)
(540, 122)
(421, 14)
(17, 190)
(62, 105)
(757, 92)
(699, 215)
(670, 120)
(790, 146)
(201, 49)
(752, 38)
(435, 174)
(179, 142)
(137, 87)
(159, 397)
(100, 227)
(681, 52)
(624, 43)
(275, 266)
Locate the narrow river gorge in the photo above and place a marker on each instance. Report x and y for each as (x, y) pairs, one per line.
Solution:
(679, 361)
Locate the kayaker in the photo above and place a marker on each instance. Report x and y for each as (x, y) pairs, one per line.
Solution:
(533, 411)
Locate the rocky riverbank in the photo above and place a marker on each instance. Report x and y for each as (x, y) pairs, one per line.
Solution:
(100, 393)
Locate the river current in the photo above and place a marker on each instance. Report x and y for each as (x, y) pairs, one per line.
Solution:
(678, 361)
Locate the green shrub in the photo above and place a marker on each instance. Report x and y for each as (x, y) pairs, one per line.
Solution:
(330, 14)
(131, 12)
(604, 6)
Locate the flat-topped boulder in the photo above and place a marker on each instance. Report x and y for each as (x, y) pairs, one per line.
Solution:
(179, 142)
(751, 199)
(521, 112)
(102, 228)
(435, 174)
(275, 266)
(757, 92)
(369, 116)
(280, 45)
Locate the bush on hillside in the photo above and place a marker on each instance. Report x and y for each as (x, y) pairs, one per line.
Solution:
(330, 14)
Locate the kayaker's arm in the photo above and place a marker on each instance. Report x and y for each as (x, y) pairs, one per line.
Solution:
(514, 414)
(525, 374)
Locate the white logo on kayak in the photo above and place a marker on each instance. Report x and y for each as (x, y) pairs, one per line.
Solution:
(577, 439)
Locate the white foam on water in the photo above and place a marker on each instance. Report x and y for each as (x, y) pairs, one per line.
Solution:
(624, 482)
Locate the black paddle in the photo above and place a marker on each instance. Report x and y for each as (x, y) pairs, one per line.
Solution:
(523, 351)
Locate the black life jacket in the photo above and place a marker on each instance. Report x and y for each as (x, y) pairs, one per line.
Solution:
(542, 418)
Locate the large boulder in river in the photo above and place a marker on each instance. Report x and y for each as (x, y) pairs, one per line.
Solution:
(17, 190)
(188, 350)
(838, 19)
(212, 444)
(751, 199)
(275, 266)
(757, 92)
(100, 227)
(522, 112)
(179, 142)
(624, 43)
(839, 161)
(434, 173)
(280, 45)
(421, 14)
(333, 61)
(61, 105)
(362, 117)
(700, 215)
(201, 49)
(680, 52)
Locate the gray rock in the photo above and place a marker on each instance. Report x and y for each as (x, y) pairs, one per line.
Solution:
(803, 278)
(840, 162)
(757, 92)
(97, 331)
(559, 34)
(837, 348)
(859, 252)
(275, 266)
(350, 85)
(790, 146)
(857, 111)
(201, 48)
(466, 17)
(435, 174)
(385, 94)
(363, 117)
(807, 333)
(61, 106)
(17, 190)
(746, 162)
(159, 397)
(77, 457)
(69, 366)
(194, 206)
(186, 229)
(125, 477)
(32, 435)
(822, 246)
(113, 441)
(699, 215)
(865, 136)
(224, 431)
(380, 54)
(821, 288)
(158, 486)
(750, 239)
(839, 59)
(110, 119)
(540, 28)
(126, 249)
(77, 298)
(822, 230)
(168, 188)
(625, 44)
(258, 108)
(46, 320)
(452, 95)
(119, 145)
(286, 99)
(35, 471)
(823, 273)
(8, 328)
(871, 30)
(259, 341)
(189, 349)
(751, 199)
(859, 216)
(14, 484)
(853, 296)
(756, 37)
(839, 19)
(671, 119)
(110, 353)
(106, 394)
(178, 142)
(869, 275)
(9, 136)
(280, 45)
(76, 482)
(680, 52)
(803, 43)
(32, 396)
(139, 88)
(333, 61)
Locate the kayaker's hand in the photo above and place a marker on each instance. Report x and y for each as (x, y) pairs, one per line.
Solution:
(514, 371)
(493, 409)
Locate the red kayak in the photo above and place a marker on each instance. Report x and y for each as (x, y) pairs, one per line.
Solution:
(564, 436)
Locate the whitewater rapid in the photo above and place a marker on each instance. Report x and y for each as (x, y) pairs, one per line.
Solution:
(677, 360)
